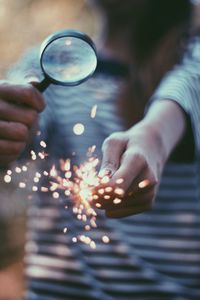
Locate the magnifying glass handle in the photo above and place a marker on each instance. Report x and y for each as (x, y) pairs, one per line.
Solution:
(41, 86)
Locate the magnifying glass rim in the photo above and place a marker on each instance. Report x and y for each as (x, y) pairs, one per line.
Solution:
(62, 34)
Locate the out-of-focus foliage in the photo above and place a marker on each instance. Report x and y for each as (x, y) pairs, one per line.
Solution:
(25, 23)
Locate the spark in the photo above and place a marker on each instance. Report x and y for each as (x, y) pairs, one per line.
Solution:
(78, 129)
(120, 180)
(33, 155)
(119, 191)
(117, 201)
(18, 170)
(56, 195)
(24, 168)
(144, 183)
(108, 189)
(44, 189)
(105, 239)
(93, 112)
(43, 144)
(34, 188)
(105, 179)
(65, 230)
(7, 178)
(22, 185)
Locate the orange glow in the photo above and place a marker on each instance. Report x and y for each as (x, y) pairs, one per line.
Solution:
(144, 183)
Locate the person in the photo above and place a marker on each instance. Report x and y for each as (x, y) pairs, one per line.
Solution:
(152, 255)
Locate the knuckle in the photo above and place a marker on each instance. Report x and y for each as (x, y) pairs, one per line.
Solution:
(112, 140)
(135, 156)
(31, 117)
(27, 91)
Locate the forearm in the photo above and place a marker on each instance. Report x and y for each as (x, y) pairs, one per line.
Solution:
(167, 121)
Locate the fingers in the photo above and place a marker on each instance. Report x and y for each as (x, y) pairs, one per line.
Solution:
(26, 95)
(15, 113)
(112, 149)
(11, 148)
(126, 212)
(13, 131)
(114, 202)
(132, 187)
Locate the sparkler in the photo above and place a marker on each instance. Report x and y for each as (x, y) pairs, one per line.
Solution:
(76, 182)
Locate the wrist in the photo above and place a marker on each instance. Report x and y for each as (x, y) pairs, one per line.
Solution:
(167, 120)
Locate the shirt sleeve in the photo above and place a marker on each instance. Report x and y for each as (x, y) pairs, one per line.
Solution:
(182, 85)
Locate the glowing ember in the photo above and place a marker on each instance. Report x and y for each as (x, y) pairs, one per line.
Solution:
(43, 144)
(93, 111)
(93, 245)
(105, 239)
(143, 183)
(34, 188)
(33, 155)
(120, 180)
(78, 129)
(53, 171)
(44, 189)
(22, 185)
(105, 180)
(108, 189)
(18, 170)
(87, 227)
(7, 178)
(119, 191)
(117, 201)
(24, 169)
(79, 182)
(56, 195)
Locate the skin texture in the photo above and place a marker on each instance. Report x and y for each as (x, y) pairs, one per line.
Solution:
(19, 109)
(133, 160)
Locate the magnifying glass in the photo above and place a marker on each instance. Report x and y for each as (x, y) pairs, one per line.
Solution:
(67, 58)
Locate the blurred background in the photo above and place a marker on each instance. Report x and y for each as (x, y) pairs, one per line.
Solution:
(25, 23)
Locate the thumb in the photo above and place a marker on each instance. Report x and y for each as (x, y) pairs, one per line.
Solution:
(112, 148)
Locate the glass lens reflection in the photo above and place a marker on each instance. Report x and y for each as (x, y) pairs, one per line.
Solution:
(69, 60)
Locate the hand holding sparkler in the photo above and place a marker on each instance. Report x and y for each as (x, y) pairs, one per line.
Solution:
(133, 160)
(19, 108)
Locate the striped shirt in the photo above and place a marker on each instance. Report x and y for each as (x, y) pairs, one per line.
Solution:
(154, 255)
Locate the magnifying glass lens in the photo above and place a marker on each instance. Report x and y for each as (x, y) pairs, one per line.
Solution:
(68, 60)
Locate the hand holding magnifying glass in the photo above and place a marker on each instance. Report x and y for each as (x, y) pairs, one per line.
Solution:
(67, 58)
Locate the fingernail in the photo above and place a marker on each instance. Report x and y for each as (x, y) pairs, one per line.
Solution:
(105, 172)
